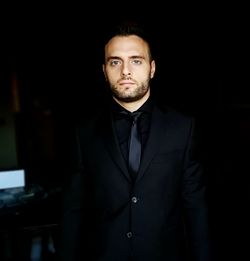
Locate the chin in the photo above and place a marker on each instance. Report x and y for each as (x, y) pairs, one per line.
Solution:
(130, 98)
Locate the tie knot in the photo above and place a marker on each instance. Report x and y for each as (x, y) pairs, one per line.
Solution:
(135, 115)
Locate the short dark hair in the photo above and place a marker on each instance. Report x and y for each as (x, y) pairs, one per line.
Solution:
(130, 27)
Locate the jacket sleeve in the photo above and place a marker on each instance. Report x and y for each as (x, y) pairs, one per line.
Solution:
(195, 201)
(72, 206)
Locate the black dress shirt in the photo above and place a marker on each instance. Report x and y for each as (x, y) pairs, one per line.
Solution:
(123, 125)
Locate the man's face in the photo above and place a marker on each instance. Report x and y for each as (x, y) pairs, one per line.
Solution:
(128, 68)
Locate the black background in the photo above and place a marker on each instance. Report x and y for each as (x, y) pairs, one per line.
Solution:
(201, 58)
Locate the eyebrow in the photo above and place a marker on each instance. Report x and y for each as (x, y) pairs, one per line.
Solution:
(113, 58)
(119, 58)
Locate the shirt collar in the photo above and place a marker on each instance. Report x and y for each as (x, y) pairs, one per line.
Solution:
(145, 108)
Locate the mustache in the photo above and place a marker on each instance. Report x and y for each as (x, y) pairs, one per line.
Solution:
(128, 77)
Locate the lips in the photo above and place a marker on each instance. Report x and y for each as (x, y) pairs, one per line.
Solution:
(126, 82)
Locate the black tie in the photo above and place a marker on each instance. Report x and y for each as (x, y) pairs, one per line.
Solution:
(134, 155)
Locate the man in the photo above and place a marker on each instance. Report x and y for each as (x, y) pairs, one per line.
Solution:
(147, 204)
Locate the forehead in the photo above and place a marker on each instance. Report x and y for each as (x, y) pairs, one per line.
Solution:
(132, 44)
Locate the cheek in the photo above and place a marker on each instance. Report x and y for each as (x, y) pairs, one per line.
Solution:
(112, 76)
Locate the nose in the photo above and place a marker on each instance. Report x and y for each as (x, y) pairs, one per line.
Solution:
(125, 70)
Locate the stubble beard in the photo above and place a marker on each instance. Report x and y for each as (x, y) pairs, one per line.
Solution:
(131, 96)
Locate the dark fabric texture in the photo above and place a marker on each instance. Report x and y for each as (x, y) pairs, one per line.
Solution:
(160, 216)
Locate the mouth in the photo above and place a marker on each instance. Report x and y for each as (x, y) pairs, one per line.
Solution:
(126, 82)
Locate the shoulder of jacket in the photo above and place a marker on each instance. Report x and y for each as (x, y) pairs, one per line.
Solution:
(175, 114)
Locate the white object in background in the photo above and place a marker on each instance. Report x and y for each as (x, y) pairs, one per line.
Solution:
(12, 179)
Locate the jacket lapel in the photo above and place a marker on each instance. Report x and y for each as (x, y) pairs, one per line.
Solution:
(156, 134)
(111, 142)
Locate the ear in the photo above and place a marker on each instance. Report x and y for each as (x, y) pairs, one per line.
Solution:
(152, 70)
(104, 71)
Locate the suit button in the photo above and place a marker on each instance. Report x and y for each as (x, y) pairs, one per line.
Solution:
(129, 234)
(134, 199)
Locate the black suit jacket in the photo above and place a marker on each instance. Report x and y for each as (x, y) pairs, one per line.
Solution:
(107, 217)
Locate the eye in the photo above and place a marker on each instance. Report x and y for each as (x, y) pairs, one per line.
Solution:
(114, 62)
(136, 61)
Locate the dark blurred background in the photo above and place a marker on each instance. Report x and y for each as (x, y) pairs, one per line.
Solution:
(51, 75)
